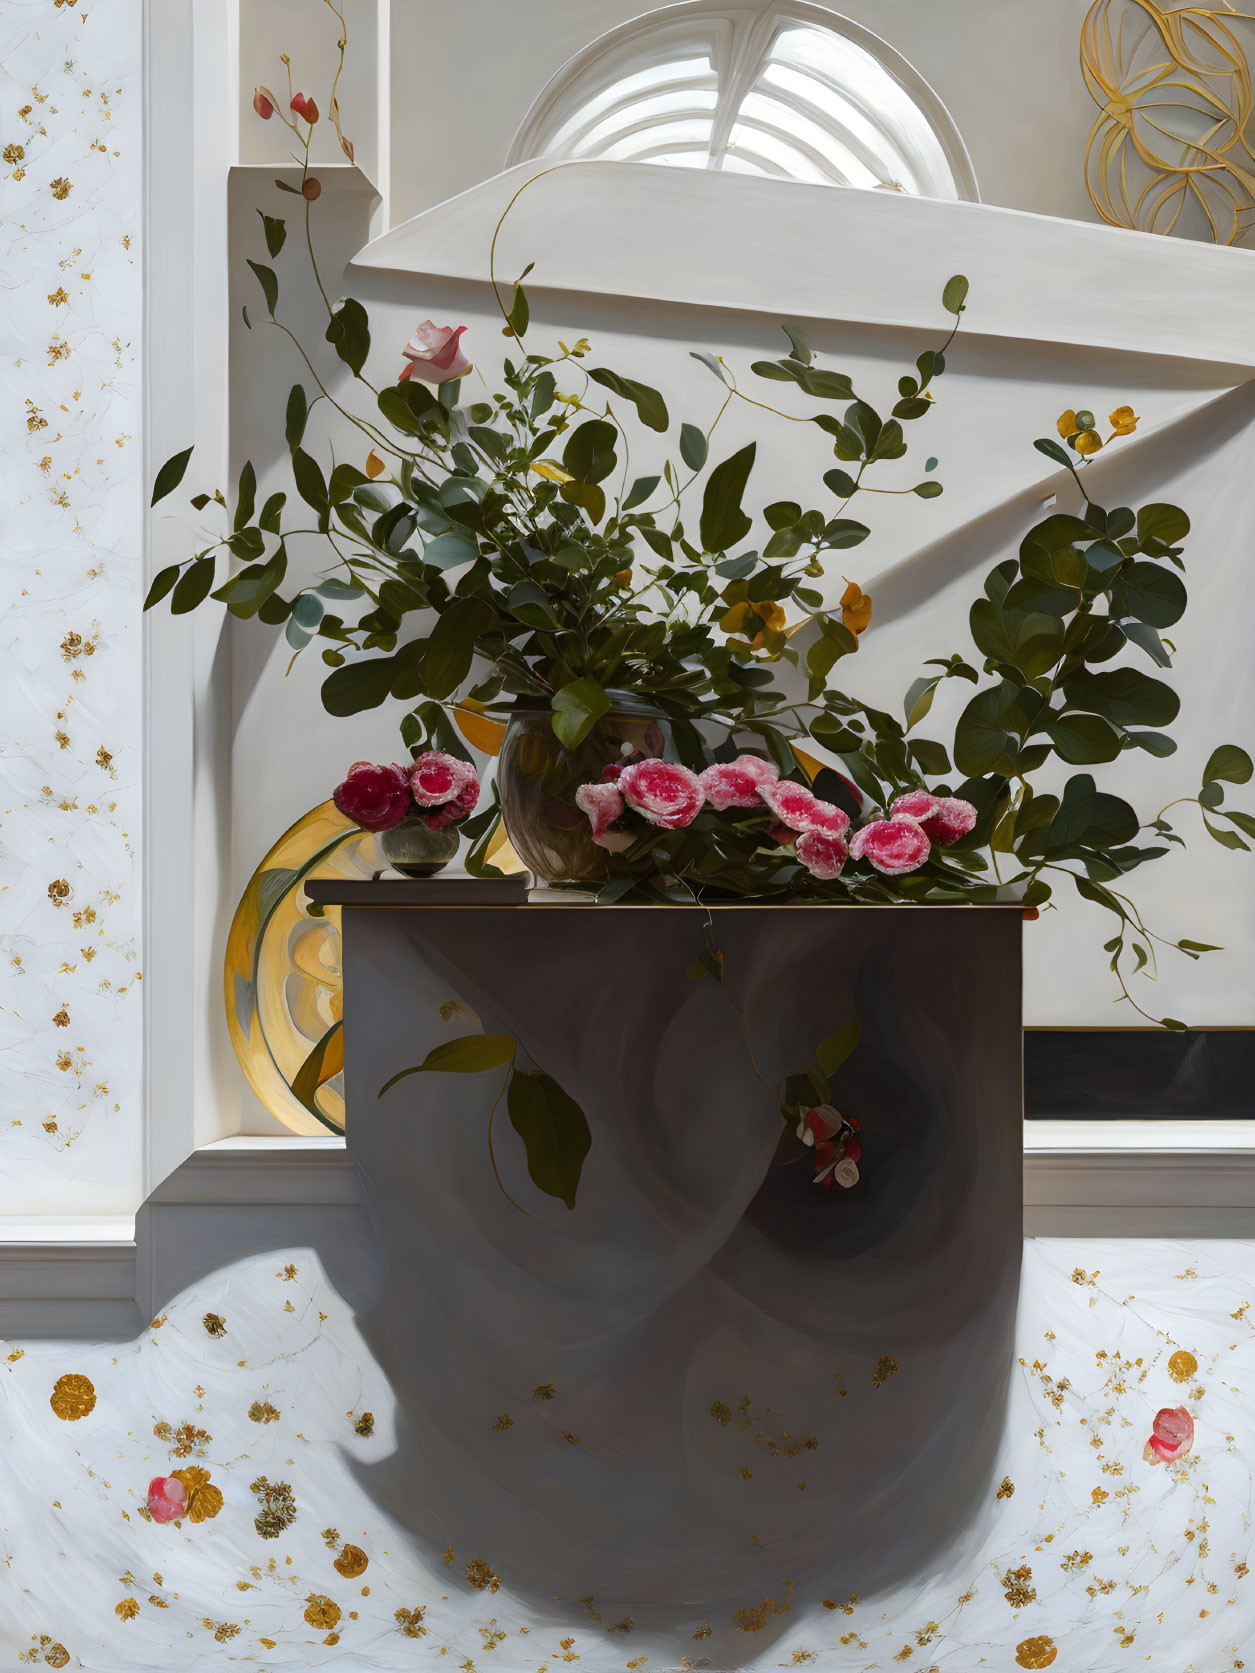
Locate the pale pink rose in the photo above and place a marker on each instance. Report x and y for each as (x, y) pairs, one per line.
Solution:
(376, 798)
(604, 805)
(1172, 1436)
(662, 792)
(305, 107)
(434, 354)
(736, 783)
(893, 846)
(437, 778)
(818, 1124)
(167, 1498)
(823, 855)
(263, 102)
(944, 818)
(454, 812)
(800, 808)
(846, 1172)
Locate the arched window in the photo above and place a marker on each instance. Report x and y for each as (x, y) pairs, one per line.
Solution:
(789, 90)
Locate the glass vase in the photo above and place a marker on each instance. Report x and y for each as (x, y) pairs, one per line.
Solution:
(415, 850)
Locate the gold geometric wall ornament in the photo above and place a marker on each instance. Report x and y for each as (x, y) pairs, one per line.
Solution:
(282, 983)
(1169, 151)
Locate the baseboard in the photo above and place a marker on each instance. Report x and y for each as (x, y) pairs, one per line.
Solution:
(1177, 1179)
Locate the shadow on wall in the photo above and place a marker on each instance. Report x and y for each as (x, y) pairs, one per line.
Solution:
(711, 1385)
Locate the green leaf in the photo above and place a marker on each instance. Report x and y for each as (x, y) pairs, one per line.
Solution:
(1152, 594)
(650, 407)
(1082, 740)
(693, 446)
(927, 490)
(297, 413)
(554, 1131)
(711, 362)
(640, 491)
(1226, 839)
(349, 332)
(271, 513)
(193, 587)
(519, 317)
(589, 455)
(588, 496)
(162, 583)
(246, 592)
(1167, 523)
(929, 757)
(1124, 695)
(1052, 450)
(1229, 763)
(919, 698)
(360, 685)
(309, 480)
(983, 741)
(838, 1047)
(954, 296)
(843, 532)
(1154, 743)
(723, 522)
(269, 285)
(797, 344)
(324, 1063)
(449, 550)
(170, 475)
(1087, 814)
(576, 709)
(246, 499)
(469, 1054)
(451, 648)
(841, 483)
(276, 232)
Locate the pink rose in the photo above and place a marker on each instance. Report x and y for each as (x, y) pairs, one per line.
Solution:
(736, 783)
(263, 102)
(782, 836)
(846, 1172)
(376, 798)
(305, 108)
(818, 1125)
(893, 846)
(800, 808)
(434, 354)
(167, 1498)
(944, 818)
(823, 855)
(1172, 1436)
(853, 1150)
(663, 792)
(453, 813)
(612, 770)
(604, 805)
(437, 778)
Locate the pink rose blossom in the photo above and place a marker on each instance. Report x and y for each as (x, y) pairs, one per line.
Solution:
(853, 1150)
(782, 836)
(305, 108)
(893, 846)
(263, 102)
(736, 783)
(823, 855)
(846, 1172)
(801, 809)
(434, 354)
(167, 1498)
(818, 1124)
(453, 813)
(376, 798)
(662, 792)
(604, 805)
(613, 770)
(437, 778)
(1172, 1436)
(944, 818)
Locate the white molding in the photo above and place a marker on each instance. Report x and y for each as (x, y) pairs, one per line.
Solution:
(711, 239)
(1183, 1179)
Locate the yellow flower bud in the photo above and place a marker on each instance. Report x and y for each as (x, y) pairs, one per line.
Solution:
(1089, 441)
(856, 607)
(1066, 424)
(1124, 421)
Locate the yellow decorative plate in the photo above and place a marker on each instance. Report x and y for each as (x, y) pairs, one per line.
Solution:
(282, 974)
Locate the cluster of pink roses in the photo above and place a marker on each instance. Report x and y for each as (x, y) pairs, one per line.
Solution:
(831, 1136)
(1171, 1436)
(441, 789)
(670, 796)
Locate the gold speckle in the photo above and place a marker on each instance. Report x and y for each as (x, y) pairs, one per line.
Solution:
(1006, 1487)
(278, 1507)
(215, 1324)
(351, 1562)
(261, 1411)
(481, 1577)
(410, 1622)
(61, 188)
(504, 1422)
(331, 1538)
(62, 1018)
(58, 890)
(204, 1500)
(755, 1618)
(1182, 1366)
(1086, 1281)
(721, 1413)
(127, 1610)
(746, 1474)
(13, 1358)
(320, 1611)
(572, 1440)
(103, 758)
(1019, 1590)
(72, 1397)
(886, 1367)
(365, 1424)
(56, 1655)
(544, 1391)
(14, 153)
(222, 1630)
(1035, 1652)
(704, 1631)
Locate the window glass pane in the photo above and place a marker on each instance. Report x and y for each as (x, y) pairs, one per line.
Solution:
(643, 113)
(823, 146)
(697, 73)
(752, 141)
(663, 136)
